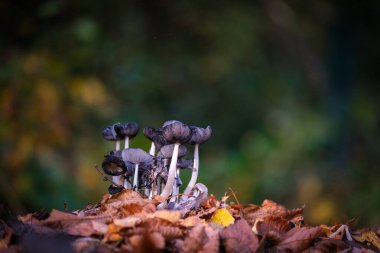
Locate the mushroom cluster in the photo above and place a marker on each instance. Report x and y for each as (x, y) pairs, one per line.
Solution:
(156, 172)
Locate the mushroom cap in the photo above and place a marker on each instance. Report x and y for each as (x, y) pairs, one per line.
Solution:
(167, 151)
(176, 132)
(137, 156)
(114, 189)
(199, 135)
(185, 163)
(113, 164)
(109, 133)
(155, 135)
(128, 129)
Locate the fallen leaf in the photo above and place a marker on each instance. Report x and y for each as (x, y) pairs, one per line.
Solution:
(368, 236)
(169, 215)
(222, 217)
(239, 238)
(129, 221)
(298, 239)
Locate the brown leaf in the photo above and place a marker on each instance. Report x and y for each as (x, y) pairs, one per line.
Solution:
(169, 215)
(369, 237)
(164, 227)
(239, 238)
(329, 245)
(5, 235)
(271, 224)
(251, 212)
(190, 221)
(86, 228)
(201, 238)
(298, 239)
(147, 242)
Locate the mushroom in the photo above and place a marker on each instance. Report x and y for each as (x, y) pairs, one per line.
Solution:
(139, 158)
(110, 134)
(198, 196)
(166, 153)
(155, 135)
(127, 130)
(113, 164)
(199, 135)
(177, 133)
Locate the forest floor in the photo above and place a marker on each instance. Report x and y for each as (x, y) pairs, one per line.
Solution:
(129, 222)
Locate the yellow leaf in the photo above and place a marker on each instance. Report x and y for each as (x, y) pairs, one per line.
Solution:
(222, 217)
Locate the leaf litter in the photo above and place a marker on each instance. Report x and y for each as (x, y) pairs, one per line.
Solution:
(129, 222)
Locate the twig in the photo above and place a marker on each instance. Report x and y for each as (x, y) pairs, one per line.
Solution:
(105, 178)
(237, 201)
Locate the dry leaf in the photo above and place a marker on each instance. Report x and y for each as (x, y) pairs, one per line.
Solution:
(298, 239)
(329, 245)
(86, 228)
(147, 242)
(129, 221)
(190, 221)
(222, 217)
(368, 236)
(169, 215)
(239, 238)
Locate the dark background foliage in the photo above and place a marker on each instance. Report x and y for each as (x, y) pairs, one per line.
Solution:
(290, 89)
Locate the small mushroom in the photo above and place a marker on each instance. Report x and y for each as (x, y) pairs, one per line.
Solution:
(166, 152)
(177, 133)
(128, 131)
(155, 135)
(199, 136)
(110, 134)
(114, 189)
(113, 164)
(139, 158)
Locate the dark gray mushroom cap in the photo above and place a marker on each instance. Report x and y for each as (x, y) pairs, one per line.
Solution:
(128, 129)
(137, 156)
(113, 164)
(110, 134)
(199, 135)
(185, 163)
(176, 132)
(167, 151)
(114, 189)
(155, 135)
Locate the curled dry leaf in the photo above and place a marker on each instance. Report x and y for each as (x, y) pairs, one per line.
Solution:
(239, 238)
(201, 238)
(298, 239)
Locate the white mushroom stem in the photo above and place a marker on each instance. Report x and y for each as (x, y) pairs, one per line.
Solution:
(152, 150)
(126, 144)
(117, 179)
(194, 173)
(127, 185)
(135, 178)
(171, 175)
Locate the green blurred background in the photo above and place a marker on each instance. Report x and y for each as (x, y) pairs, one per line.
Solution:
(290, 89)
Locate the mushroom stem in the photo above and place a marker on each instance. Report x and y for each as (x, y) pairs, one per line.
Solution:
(135, 178)
(152, 150)
(116, 179)
(126, 144)
(127, 184)
(194, 173)
(172, 171)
